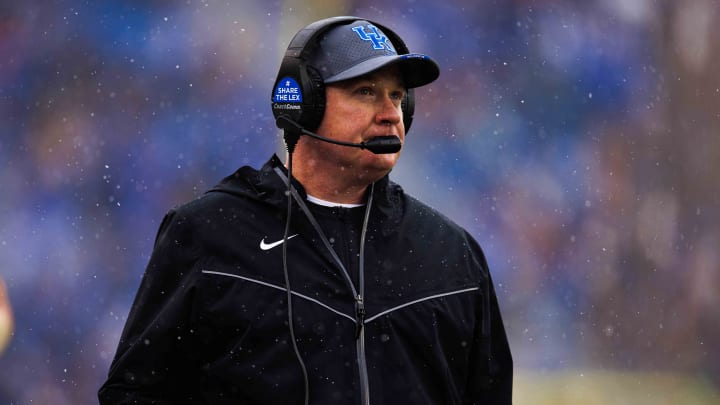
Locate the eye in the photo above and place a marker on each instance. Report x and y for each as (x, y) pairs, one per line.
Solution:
(364, 91)
(397, 95)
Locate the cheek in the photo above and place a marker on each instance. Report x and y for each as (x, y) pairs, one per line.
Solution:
(347, 110)
(347, 121)
(339, 115)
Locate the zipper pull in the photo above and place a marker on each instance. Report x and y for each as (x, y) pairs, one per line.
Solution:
(359, 315)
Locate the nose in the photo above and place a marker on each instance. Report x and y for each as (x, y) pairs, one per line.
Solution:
(389, 111)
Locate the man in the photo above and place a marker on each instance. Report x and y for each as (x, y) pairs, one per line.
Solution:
(320, 282)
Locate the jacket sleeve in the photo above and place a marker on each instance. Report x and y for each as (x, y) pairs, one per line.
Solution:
(152, 364)
(491, 375)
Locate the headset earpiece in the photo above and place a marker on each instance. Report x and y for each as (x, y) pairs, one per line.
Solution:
(314, 112)
(408, 108)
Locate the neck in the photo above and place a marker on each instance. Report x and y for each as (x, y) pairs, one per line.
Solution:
(344, 185)
(331, 188)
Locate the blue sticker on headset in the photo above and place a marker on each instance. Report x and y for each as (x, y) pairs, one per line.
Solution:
(287, 91)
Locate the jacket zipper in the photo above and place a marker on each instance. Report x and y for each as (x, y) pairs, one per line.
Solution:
(360, 349)
(362, 361)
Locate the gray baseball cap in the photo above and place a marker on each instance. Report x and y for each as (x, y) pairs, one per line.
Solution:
(352, 50)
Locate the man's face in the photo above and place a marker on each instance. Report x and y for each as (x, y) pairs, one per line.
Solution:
(357, 110)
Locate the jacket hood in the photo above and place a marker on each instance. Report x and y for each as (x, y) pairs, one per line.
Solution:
(261, 185)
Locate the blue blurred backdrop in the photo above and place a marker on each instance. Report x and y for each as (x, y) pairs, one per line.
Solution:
(579, 142)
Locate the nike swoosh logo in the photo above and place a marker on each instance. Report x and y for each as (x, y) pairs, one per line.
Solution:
(268, 246)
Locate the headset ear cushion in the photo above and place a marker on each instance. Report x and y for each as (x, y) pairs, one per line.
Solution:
(314, 109)
(408, 108)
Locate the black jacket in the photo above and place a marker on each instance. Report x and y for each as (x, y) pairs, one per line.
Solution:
(210, 321)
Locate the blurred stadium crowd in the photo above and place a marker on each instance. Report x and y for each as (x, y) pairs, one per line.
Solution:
(579, 142)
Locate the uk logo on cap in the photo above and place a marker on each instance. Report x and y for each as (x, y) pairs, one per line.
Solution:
(379, 41)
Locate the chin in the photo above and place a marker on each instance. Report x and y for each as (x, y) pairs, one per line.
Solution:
(381, 165)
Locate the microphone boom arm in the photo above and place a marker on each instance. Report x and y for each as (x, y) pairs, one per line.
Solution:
(377, 145)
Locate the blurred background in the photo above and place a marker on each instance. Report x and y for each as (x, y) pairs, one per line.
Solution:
(579, 142)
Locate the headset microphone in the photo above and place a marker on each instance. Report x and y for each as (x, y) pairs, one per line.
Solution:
(377, 145)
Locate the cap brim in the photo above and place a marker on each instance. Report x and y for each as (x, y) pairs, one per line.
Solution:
(417, 69)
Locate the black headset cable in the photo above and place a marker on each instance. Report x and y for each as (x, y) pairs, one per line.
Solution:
(287, 282)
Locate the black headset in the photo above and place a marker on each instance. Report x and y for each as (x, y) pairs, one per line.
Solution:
(309, 112)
